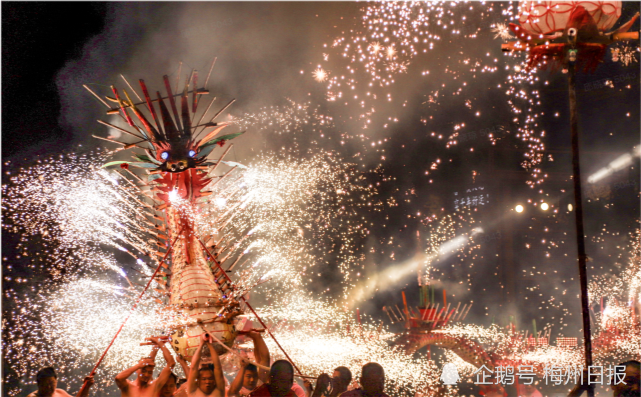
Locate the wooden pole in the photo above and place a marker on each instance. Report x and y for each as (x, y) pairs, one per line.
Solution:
(576, 178)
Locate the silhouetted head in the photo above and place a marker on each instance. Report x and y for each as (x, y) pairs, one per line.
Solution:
(281, 378)
(630, 385)
(373, 378)
(47, 381)
(342, 377)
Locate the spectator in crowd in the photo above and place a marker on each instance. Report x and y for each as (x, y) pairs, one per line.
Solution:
(340, 381)
(281, 380)
(324, 386)
(298, 390)
(372, 382)
(341, 378)
(630, 386)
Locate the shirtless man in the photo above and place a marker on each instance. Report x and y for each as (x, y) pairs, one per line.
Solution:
(206, 381)
(246, 380)
(181, 384)
(170, 387)
(144, 386)
(248, 376)
(48, 381)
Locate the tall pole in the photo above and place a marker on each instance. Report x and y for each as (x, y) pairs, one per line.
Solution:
(576, 177)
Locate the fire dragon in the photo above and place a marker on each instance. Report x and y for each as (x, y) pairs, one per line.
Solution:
(175, 158)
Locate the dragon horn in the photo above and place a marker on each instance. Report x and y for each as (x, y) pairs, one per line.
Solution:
(155, 137)
(172, 101)
(170, 128)
(186, 116)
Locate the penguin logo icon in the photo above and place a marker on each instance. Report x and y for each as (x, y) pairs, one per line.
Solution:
(450, 374)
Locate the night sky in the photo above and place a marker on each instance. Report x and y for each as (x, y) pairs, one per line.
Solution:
(266, 53)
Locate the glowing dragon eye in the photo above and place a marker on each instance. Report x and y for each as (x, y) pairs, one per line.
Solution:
(192, 153)
(164, 155)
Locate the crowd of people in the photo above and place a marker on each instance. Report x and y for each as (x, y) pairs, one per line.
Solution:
(205, 378)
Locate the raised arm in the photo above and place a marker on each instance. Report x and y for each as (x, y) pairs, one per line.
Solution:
(86, 385)
(192, 384)
(261, 352)
(237, 383)
(183, 364)
(170, 363)
(218, 368)
(169, 359)
(121, 378)
(154, 351)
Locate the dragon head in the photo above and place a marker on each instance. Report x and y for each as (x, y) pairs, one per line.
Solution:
(171, 144)
(178, 157)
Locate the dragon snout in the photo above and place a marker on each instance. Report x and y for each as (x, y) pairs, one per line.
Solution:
(177, 166)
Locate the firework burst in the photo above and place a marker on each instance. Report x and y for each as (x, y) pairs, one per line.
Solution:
(320, 75)
(501, 30)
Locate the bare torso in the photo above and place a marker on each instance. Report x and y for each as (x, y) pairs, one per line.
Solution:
(199, 393)
(135, 390)
(57, 393)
